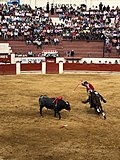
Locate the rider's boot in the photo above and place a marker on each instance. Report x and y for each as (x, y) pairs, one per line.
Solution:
(104, 100)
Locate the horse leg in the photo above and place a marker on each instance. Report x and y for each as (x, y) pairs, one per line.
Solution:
(97, 109)
(103, 113)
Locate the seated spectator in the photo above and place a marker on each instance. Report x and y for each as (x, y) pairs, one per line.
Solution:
(116, 62)
(28, 40)
(38, 43)
(56, 41)
(46, 41)
(108, 48)
(114, 42)
(49, 40)
(118, 49)
(68, 53)
(30, 53)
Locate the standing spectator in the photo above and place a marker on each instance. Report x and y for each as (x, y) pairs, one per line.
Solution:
(100, 6)
(52, 9)
(68, 53)
(47, 7)
(72, 53)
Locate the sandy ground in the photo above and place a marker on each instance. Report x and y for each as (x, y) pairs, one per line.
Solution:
(25, 135)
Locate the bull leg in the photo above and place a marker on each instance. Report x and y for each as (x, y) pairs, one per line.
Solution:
(59, 115)
(41, 110)
(54, 113)
(57, 112)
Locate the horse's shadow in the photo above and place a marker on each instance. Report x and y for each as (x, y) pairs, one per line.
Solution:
(90, 111)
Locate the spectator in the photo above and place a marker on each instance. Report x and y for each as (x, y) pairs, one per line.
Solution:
(68, 54)
(46, 41)
(72, 53)
(38, 43)
(100, 6)
(52, 9)
(30, 53)
(118, 49)
(108, 47)
(56, 41)
(47, 7)
(78, 24)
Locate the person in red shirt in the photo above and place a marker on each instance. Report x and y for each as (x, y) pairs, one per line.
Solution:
(90, 87)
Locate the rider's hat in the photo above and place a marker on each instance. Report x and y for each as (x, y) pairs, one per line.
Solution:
(84, 82)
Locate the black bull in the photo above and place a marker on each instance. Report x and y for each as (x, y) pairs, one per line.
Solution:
(47, 102)
(95, 103)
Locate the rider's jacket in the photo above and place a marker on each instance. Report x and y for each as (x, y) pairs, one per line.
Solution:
(89, 87)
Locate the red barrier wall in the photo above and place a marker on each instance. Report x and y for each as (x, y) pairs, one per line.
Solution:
(52, 68)
(31, 67)
(7, 69)
(6, 60)
(91, 67)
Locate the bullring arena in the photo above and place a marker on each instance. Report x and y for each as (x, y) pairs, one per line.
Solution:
(24, 134)
(52, 61)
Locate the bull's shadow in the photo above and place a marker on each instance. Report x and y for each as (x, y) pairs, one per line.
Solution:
(48, 113)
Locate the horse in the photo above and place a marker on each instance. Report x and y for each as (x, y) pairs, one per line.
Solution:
(95, 103)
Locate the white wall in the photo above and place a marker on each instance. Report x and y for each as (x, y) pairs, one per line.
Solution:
(77, 2)
(26, 1)
(94, 60)
(90, 3)
(58, 59)
(106, 3)
(4, 48)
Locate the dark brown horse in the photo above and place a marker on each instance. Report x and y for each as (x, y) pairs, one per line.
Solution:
(95, 103)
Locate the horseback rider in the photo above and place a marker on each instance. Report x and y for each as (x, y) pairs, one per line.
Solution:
(90, 88)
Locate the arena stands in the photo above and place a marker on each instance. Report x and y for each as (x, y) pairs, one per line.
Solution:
(83, 31)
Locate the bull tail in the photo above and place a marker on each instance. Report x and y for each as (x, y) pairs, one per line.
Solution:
(40, 104)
